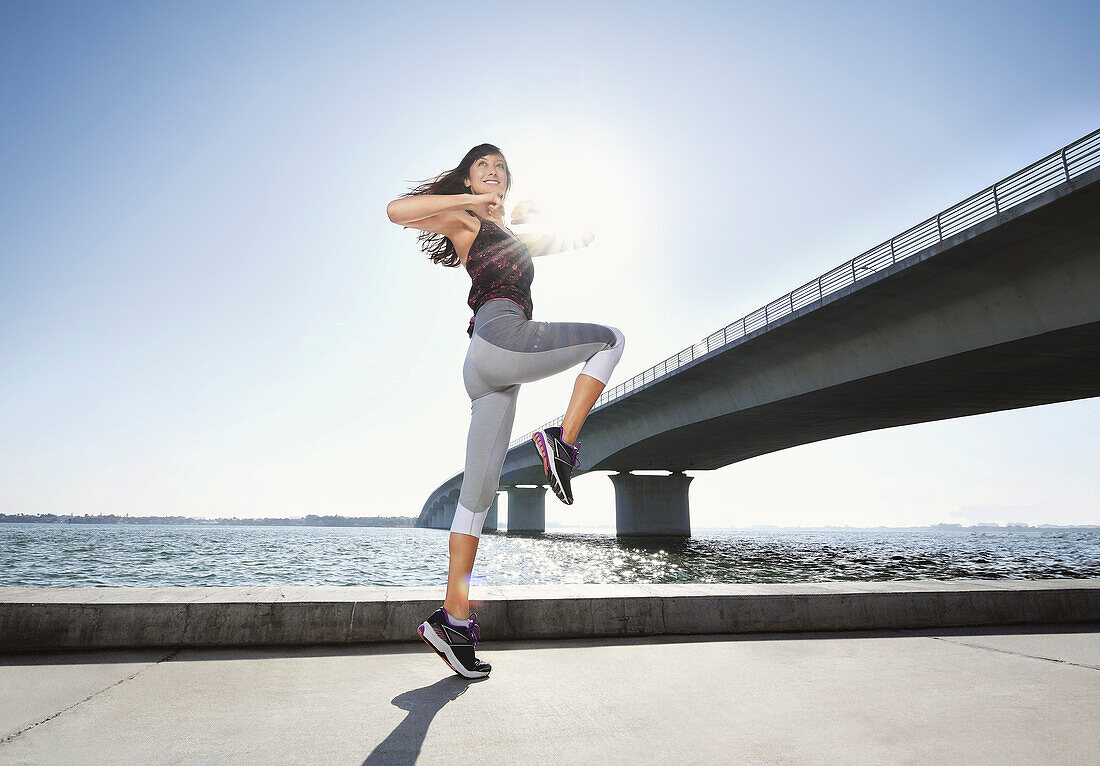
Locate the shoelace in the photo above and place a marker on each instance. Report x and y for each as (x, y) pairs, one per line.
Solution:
(576, 453)
(475, 629)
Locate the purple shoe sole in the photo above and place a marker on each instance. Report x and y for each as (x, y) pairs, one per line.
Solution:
(540, 445)
(551, 475)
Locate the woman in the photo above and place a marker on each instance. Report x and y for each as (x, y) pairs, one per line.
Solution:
(462, 215)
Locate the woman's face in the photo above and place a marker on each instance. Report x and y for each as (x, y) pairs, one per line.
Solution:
(488, 174)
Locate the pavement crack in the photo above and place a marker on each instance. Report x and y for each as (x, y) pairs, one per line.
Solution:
(1018, 654)
(27, 728)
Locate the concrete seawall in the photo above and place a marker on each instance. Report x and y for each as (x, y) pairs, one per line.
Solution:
(36, 619)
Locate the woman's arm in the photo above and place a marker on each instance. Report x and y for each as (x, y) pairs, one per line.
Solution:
(405, 210)
(548, 244)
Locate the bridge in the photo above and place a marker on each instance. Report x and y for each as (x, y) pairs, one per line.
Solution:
(992, 304)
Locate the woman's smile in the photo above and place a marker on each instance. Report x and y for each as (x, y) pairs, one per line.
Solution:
(485, 179)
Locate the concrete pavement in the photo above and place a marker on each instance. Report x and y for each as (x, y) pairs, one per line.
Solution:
(1008, 695)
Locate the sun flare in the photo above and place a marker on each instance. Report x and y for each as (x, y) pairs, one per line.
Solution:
(580, 184)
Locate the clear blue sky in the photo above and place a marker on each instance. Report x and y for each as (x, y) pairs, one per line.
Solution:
(205, 311)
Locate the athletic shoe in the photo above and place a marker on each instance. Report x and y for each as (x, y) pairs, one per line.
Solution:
(454, 644)
(558, 461)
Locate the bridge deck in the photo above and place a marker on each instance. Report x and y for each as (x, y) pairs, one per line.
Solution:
(997, 315)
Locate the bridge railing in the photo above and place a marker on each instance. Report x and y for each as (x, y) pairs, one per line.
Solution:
(1054, 169)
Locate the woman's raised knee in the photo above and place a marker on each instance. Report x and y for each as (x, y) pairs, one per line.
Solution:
(620, 339)
(603, 362)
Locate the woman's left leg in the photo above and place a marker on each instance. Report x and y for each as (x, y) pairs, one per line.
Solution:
(516, 351)
(519, 351)
(526, 351)
(586, 390)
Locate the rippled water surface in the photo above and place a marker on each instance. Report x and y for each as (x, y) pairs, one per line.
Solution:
(63, 555)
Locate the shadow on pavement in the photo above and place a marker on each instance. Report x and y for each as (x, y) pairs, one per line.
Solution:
(402, 745)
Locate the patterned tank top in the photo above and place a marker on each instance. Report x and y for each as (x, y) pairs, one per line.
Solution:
(500, 267)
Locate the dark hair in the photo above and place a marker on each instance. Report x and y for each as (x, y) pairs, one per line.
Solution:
(438, 247)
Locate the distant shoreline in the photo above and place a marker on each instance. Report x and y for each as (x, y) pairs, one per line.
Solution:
(833, 528)
(312, 520)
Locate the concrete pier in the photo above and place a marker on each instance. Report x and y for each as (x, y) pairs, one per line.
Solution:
(652, 505)
(449, 508)
(33, 619)
(492, 516)
(435, 515)
(526, 509)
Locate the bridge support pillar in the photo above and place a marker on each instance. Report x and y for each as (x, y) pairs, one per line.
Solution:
(656, 506)
(449, 507)
(526, 509)
(491, 517)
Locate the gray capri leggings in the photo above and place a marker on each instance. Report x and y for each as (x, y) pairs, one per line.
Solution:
(508, 349)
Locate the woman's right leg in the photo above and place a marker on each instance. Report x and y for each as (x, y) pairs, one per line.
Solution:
(491, 417)
(451, 630)
(463, 550)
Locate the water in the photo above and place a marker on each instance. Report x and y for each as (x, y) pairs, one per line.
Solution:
(64, 555)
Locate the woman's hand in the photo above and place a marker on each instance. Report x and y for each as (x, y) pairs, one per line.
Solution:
(488, 205)
(525, 211)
